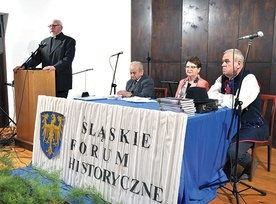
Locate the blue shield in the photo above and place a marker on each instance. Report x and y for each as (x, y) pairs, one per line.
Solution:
(51, 130)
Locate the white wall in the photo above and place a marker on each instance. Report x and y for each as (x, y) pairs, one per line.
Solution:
(100, 27)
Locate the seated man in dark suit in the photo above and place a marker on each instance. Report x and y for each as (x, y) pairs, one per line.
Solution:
(140, 84)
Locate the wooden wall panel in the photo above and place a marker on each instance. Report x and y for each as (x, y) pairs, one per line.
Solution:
(181, 28)
(223, 28)
(262, 71)
(203, 71)
(272, 81)
(272, 89)
(166, 27)
(140, 29)
(166, 72)
(166, 30)
(214, 71)
(256, 15)
(195, 29)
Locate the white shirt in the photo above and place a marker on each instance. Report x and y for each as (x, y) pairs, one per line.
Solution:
(249, 92)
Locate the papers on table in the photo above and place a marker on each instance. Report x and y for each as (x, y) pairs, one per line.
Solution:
(90, 98)
(134, 99)
(137, 99)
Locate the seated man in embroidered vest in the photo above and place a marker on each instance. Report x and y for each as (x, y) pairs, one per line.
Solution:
(253, 126)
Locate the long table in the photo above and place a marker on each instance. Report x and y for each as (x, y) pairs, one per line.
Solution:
(205, 149)
(204, 154)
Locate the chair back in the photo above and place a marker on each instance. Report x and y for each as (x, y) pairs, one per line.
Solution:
(268, 103)
(268, 110)
(160, 92)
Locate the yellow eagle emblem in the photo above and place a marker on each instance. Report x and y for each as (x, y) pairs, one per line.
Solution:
(51, 133)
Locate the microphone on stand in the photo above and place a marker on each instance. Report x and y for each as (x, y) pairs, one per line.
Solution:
(10, 84)
(119, 53)
(85, 93)
(113, 85)
(83, 71)
(256, 35)
(42, 45)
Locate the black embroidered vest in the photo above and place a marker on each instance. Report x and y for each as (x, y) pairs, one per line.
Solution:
(251, 113)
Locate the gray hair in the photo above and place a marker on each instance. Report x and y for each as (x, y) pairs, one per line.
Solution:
(58, 21)
(138, 64)
(237, 54)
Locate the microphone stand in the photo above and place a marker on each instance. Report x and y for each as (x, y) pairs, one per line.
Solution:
(113, 85)
(32, 55)
(148, 59)
(237, 106)
(85, 93)
(6, 114)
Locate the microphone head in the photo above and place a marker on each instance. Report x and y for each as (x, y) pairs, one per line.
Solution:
(42, 45)
(260, 33)
(119, 53)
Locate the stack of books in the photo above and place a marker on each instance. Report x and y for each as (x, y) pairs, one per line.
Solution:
(177, 105)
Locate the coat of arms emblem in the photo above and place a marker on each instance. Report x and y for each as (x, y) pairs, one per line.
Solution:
(51, 133)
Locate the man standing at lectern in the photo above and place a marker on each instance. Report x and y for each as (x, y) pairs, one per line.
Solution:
(57, 53)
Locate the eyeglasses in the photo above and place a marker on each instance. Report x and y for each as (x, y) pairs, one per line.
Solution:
(192, 67)
(53, 26)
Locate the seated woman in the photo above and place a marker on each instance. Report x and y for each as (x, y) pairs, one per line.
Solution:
(193, 67)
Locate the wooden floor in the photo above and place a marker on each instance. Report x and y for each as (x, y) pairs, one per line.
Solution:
(263, 180)
(21, 157)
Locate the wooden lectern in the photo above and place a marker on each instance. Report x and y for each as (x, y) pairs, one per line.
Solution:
(28, 84)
